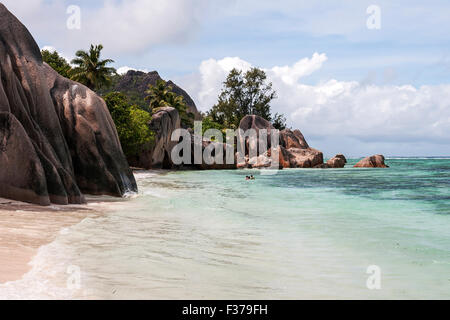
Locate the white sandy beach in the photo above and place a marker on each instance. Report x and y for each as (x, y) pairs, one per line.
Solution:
(26, 227)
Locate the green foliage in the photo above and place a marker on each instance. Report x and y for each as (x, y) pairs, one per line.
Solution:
(244, 94)
(131, 123)
(161, 95)
(104, 89)
(139, 122)
(158, 95)
(90, 70)
(208, 123)
(279, 121)
(58, 63)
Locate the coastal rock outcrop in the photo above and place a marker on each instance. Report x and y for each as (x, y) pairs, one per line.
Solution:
(376, 161)
(294, 151)
(338, 161)
(164, 122)
(58, 140)
(304, 158)
(293, 139)
(255, 123)
(29, 183)
(209, 163)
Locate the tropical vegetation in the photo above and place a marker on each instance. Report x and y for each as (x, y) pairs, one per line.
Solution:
(131, 123)
(90, 70)
(161, 95)
(58, 63)
(244, 94)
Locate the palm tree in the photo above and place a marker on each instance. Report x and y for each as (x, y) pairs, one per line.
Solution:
(161, 95)
(176, 102)
(158, 95)
(90, 70)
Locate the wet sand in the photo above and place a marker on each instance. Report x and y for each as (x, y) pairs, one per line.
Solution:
(25, 227)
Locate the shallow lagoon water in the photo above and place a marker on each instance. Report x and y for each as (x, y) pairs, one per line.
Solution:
(299, 234)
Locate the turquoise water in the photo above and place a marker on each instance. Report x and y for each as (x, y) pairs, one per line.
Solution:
(299, 234)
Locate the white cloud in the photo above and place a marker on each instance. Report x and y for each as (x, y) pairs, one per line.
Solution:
(53, 49)
(212, 75)
(302, 68)
(340, 109)
(131, 26)
(48, 48)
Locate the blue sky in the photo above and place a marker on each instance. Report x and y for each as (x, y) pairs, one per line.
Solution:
(402, 69)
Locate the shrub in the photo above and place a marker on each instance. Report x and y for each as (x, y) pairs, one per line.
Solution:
(131, 123)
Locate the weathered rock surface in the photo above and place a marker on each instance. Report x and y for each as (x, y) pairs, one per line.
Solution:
(137, 83)
(293, 139)
(304, 158)
(294, 151)
(165, 121)
(58, 139)
(210, 163)
(29, 183)
(338, 161)
(376, 161)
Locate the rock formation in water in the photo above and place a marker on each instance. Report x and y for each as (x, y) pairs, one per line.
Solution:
(136, 83)
(210, 164)
(376, 161)
(338, 161)
(57, 138)
(294, 151)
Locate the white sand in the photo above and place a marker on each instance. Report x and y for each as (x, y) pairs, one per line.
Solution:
(26, 227)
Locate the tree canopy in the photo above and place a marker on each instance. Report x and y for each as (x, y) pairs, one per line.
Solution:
(58, 63)
(131, 123)
(244, 94)
(90, 70)
(161, 95)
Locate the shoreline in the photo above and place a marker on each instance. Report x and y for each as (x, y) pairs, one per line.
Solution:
(24, 228)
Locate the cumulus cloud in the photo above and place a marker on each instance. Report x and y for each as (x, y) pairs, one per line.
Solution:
(212, 75)
(131, 26)
(291, 74)
(346, 109)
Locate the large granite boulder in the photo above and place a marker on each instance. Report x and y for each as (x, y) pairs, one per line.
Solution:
(210, 164)
(376, 161)
(338, 161)
(71, 141)
(256, 123)
(164, 122)
(294, 151)
(304, 158)
(28, 184)
(293, 139)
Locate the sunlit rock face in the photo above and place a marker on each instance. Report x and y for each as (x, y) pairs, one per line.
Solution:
(57, 138)
(376, 161)
(293, 150)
